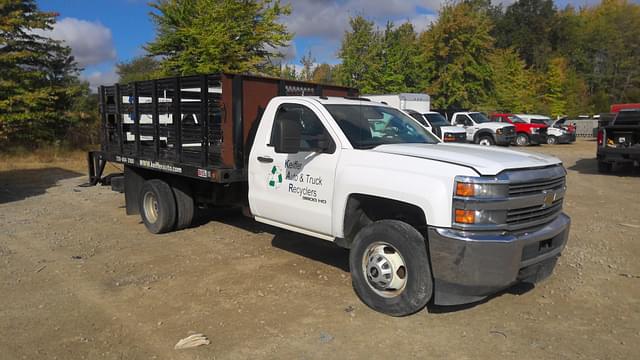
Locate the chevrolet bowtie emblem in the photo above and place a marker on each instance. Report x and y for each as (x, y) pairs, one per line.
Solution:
(549, 198)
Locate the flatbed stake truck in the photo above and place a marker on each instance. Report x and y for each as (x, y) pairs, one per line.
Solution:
(424, 220)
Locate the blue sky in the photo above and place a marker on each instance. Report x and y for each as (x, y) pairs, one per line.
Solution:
(104, 32)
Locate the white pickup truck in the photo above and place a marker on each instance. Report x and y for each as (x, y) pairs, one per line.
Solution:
(481, 130)
(424, 220)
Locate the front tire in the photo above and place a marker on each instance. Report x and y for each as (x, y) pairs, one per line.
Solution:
(522, 139)
(552, 140)
(390, 268)
(485, 140)
(157, 206)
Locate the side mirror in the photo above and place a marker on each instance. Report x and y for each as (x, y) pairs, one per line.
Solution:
(287, 136)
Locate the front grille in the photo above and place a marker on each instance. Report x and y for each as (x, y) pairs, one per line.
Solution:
(509, 130)
(534, 187)
(533, 213)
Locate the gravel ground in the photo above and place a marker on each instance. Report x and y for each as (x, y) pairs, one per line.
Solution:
(81, 280)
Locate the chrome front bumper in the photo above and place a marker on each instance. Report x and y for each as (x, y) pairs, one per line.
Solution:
(468, 266)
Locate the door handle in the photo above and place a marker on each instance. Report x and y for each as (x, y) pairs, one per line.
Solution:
(265, 159)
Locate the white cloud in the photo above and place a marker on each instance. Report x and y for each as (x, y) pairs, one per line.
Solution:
(97, 78)
(91, 42)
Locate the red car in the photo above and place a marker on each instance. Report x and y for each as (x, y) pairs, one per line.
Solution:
(526, 133)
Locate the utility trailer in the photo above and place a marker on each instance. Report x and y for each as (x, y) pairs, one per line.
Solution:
(193, 132)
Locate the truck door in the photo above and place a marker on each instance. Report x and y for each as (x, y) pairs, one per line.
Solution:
(294, 189)
(468, 124)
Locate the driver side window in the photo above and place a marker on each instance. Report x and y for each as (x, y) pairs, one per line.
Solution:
(313, 135)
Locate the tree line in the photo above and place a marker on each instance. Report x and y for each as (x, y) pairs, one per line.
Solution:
(527, 57)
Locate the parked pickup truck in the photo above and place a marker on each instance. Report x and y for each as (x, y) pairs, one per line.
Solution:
(619, 142)
(556, 134)
(526, 133)
(437, 124)
(424, 220)
(481, 130)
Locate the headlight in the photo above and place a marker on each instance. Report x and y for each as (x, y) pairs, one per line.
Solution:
(534, 130)
(469, 191)
(481, 190)
(499, 131)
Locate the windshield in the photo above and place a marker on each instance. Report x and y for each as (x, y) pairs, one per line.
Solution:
(436, 119)
(515, 119)
(547, 122)
(367, 126)
(479, 118)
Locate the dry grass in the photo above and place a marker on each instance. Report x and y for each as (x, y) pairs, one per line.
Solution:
(74, 160)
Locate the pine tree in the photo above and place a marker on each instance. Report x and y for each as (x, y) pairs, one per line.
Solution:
(38, 78)
(208, 36)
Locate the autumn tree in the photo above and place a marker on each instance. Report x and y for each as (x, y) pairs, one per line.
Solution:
(208, 36)
(38, 80)
(513, 84)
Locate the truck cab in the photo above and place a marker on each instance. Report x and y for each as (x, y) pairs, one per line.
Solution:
(437, 124)
(526, 133)
(481, 130)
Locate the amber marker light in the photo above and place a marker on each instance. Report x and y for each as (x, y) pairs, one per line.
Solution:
(465, 216)
(465, 189)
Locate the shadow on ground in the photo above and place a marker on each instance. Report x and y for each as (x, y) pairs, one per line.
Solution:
(20, 184)
(590, 167)
(312, 248)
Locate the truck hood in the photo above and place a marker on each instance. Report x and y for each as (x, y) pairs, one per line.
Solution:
(493, 125)
(452, 129)
(484, 160)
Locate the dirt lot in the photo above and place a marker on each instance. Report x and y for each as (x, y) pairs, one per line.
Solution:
(81, 280)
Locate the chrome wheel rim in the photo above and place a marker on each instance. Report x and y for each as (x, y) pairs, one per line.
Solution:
(485, 142)
(551, 140)
(150, 207)
(385, 269)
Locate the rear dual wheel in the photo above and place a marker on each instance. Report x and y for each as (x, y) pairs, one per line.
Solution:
(390, 268)
(164, 208)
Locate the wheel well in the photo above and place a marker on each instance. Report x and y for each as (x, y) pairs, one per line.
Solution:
(362, 210)
(484, 132)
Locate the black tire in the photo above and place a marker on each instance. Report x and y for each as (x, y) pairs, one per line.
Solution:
(522, 139)
(159, 215)
(411, 247)
(604, 167)
(485, 138)
(185, 205)
(552, 140)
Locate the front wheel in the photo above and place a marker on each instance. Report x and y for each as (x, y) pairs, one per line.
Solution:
(552, 140)
(522, 140)
(485, 140)
(390, 269)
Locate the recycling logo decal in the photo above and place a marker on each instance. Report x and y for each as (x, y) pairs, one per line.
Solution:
(275, 177)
